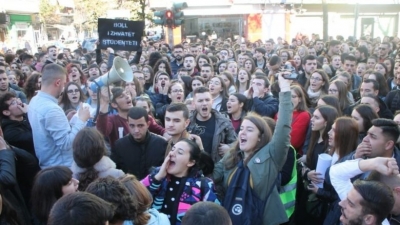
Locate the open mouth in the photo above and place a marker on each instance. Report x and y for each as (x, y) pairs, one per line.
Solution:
(171, 163)
(179, 98)
(163, 84)
(243, 140)
(204, 109)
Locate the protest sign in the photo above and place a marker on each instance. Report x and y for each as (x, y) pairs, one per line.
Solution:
(120, 34)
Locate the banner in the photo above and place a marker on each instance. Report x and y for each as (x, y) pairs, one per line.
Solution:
(120, 34)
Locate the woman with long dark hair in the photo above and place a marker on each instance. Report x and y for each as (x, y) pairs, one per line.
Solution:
(51, 184)
(321, 124)
(164, 66)
(90, 160)
(343, 139)
(243, 81)
(32, 86)
(236, 109)
(8, 214)
(148, 77)
(219, 93)
(179, 183)
(363, 114)
(71, 97)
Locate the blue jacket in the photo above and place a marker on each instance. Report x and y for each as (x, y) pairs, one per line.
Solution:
(265, 106)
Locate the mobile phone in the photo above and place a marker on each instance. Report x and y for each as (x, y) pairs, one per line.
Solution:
(310, 186)
(84, 66)
(293, 75)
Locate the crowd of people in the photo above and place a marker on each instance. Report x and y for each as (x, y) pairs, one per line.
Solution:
(209, 132)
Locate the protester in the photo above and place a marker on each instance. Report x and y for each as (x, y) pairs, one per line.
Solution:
(140, 150)
(206, 213)
(80, 208)
(179, 183)
(114, 192)
(258, 145)
(51, 184)
(143, 200)
(90, 160)
(52, 134)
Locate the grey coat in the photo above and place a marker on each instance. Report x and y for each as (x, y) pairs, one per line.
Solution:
(224, 132)
(266, 163)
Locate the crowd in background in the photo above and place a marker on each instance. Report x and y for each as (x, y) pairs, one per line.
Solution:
(200, 126)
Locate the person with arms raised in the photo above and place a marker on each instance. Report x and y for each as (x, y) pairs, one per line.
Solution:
(264, 155)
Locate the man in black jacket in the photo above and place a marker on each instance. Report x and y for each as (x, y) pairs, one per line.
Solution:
(262, 102)
(14, 122)
(137, 152)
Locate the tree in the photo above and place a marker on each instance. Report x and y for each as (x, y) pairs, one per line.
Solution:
(139, 10)
(48, 11)
(87, 12)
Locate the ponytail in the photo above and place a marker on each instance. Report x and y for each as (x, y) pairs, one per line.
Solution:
(206, 164)
(87, 177)
(203, 160)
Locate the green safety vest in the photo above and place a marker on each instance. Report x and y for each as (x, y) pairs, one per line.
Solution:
(288, 192)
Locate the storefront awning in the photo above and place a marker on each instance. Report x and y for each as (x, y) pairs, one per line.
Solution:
(20, 18)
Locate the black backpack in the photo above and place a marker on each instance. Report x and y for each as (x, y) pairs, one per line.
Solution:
(241, 202)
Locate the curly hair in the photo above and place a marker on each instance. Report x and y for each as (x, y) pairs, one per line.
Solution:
(167, 67)
(114, 192)
(30, 86)
(141, 197)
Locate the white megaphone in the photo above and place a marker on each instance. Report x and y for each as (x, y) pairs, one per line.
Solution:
(119, 71)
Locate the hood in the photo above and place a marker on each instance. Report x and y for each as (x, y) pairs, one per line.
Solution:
(157, 218)
(104, 164)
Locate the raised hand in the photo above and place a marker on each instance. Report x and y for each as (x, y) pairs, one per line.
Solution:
(162, 173)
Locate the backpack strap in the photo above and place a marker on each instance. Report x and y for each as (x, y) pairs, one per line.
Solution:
(231, 175)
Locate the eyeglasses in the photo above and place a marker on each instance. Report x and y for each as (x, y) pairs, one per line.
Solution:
(140, 78)
(332, 90)
(382, 48)
(177, 91)
(14, 102)
(145, 71)
(73, 91)
(315, 78)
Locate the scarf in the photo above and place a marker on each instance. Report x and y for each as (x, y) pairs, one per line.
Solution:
(313, 95)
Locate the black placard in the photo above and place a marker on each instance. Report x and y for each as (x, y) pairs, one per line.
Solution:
(120, 34)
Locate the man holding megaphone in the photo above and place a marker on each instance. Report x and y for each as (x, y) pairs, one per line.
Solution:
(114, 126)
